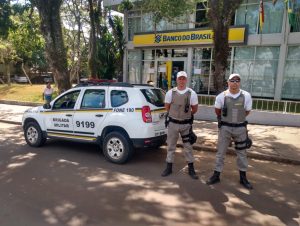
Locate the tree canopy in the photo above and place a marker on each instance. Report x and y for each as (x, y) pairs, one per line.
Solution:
(54, 35)
(5, 22)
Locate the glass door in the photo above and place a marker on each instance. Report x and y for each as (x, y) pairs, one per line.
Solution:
(166, 73)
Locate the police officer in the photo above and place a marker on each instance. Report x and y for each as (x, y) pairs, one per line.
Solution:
(181, 103)
(231, 107)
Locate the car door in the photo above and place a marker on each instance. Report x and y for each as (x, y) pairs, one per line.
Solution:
(59, 120)
(90, 113)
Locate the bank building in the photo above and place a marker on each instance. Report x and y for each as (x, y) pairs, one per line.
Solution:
(267, 57)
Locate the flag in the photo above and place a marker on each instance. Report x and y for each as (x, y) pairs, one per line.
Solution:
(291, 12)
(261, 14)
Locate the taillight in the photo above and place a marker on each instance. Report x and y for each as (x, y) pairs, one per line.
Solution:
(146, 114)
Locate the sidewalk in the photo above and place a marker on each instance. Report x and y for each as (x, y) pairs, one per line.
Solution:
(274, 143)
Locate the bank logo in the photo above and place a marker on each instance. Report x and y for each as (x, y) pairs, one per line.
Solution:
(157, 38)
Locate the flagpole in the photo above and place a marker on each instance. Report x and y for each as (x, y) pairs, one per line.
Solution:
(261, 19)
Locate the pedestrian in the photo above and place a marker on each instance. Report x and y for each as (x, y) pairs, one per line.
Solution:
(181, 104)
(164, 83)
(231, 107)
(47, 94)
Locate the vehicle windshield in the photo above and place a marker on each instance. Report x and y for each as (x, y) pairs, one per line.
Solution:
(154, 96)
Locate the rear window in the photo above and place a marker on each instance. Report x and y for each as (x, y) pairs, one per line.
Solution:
(118, 98)
(93, 99)
(154, 96)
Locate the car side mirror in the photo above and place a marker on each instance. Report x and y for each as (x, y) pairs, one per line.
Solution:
(47, 106)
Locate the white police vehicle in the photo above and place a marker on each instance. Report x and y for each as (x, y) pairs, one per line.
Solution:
(118, 116)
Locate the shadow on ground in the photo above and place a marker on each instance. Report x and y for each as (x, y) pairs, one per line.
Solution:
(68, 183)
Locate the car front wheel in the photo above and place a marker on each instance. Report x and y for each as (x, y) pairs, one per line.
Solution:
(34, 135)
(117, 148)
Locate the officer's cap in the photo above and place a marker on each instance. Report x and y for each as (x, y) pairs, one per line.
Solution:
(181, 74)
(234, 75)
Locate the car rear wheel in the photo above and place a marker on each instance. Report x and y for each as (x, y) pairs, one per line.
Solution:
(33, 135)
(117, 147)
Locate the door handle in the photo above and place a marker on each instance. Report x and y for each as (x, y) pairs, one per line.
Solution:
(99, 115)
(69, 115)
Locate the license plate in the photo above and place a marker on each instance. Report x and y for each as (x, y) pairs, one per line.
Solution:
(160, 133)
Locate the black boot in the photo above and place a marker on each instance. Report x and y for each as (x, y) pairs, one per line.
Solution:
(168, 170)
(244, 181)
(215, 178)
(192, 172)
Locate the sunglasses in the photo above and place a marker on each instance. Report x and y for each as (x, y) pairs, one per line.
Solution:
(234, 81)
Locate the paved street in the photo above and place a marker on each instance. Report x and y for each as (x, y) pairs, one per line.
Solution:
(276, 143)
(66, 183)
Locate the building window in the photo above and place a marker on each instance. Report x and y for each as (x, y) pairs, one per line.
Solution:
(258, 69)
(134, 66)
(202, 80)
(148, 75)
(170, 53)
(291, 81)
(201, 18)
(248, 13)
(134, 23)
(201, 74)
(148, 68)
(273, 17)
(165, 25)
(147, 22)
(294, 15)
(143, 22)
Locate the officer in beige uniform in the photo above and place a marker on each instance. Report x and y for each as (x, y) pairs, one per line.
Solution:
(231, 107)
(181, 103)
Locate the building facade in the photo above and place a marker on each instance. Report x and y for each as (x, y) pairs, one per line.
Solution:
(267, 57)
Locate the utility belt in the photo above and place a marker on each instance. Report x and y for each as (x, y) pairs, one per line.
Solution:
(191, 137)
(241, 145)
(186, 121)
(243, 124)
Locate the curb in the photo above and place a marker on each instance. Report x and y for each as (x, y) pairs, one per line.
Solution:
(22, 103)
(230, 151)
(250, 154)
(10, 122)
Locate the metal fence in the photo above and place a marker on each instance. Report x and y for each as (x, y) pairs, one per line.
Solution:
(290, 107)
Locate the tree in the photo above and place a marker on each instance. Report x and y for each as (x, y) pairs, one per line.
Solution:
(220, 16)
(95, 13)
(116, 24)
(51, 28)
(26, 38)
(5, 22)
(7, 57)
(75, 17)
(106, 46)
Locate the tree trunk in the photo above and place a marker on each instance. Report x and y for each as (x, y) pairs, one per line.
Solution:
(92, 58)
(220, 15)
(221, 49)
(78, 63)
(7, 69)
(23, 69)
(55, 49)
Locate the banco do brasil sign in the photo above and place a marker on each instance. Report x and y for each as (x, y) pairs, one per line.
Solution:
(174, 38)
(236, 35)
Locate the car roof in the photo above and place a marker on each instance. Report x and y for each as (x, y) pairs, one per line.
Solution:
(113, 84)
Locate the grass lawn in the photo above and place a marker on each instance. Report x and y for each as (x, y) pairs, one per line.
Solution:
(23, 92)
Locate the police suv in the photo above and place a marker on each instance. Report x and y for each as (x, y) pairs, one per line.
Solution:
(118, 116)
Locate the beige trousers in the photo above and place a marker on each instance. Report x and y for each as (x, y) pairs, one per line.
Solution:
(225, 134)
(173, 134)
